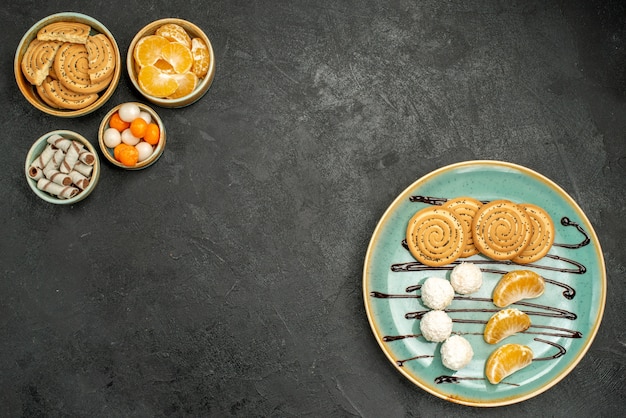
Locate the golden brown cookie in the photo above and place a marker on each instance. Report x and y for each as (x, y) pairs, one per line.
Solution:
(542, 234)
(41, 90)
(74, 32)
(501, 230)
(101, 58)
(465, 209)
(38, 60)
(65, 98)
(435, 236)
(71, 65)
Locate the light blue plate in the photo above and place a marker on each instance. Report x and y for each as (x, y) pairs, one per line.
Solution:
(575, 284)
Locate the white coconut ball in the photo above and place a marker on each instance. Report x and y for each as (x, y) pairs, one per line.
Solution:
(437, 293)
(436, 326)
(456, 352)
(466, 278)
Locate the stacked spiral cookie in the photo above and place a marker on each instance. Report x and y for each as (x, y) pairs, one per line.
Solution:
(464, 226)
(68, 65)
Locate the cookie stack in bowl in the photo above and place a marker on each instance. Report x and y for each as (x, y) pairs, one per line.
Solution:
(69, 65)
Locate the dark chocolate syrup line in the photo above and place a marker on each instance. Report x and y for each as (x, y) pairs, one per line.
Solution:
(565, 221)
(553, 312)
(417, 266)
(568, 293)
(400, 363)
(559, 347)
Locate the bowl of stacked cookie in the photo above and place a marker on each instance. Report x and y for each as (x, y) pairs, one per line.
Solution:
(67, 64)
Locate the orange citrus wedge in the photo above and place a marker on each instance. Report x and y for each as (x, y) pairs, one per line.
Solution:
(149, 50)
(187, 83)
(201, 58)
(174, 33)
(178, 56)
(155, 82)
(504, 324)
(517, 285)
(506, 360)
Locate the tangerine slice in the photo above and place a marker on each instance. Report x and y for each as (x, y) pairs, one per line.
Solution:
(155, 82)
(186, 84)
(164, 66)
(174, 33)
(179, 57)
(506, 360)
(149, 49)
(504, 324)
(517, 285)
(201, 57)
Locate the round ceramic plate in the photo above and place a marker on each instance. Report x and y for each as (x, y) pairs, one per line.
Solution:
(565, 319)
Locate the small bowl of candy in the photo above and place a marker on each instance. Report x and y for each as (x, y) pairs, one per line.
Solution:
(62, 167)
(132, 136)
(171, 62)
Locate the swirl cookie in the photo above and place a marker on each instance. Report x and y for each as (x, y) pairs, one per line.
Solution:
(101, 58)
(38, 60)
(71, 65)
(435, 236)
(500, 230)
(64, 98)
(465, 209)
(542, 234)
(63, 31)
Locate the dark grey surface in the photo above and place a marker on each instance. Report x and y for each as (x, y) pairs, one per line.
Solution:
(226, 279)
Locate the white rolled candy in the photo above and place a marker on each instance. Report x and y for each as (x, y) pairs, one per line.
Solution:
(43, 158)
(71, 157)
(55, 161)
(79, 180)
(83, 168)
(63, 192)
(59, 142)
(87, 157)
(57, 177)
(35, 173)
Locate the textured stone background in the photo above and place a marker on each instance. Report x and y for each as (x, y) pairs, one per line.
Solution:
(226, 279)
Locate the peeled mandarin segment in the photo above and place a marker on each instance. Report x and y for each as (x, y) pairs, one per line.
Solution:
(174, 33)
(178, 56)
(505, 323)
(201, 57)
(506, 360)
(542, 234)
(187, 83)
(164, 66)
(517, 285)
(435, 236)
(149, 50)
(156, 83)
(500, 230)
(465, 209)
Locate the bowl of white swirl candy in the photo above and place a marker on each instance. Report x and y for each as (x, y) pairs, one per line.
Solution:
(62, 167)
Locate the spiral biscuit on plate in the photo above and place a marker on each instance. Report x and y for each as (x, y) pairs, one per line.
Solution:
(501, 230)
(67, 99)
(63, 31)
(435, 236)
(38, 60)
(542, 234)
(465, 209)
(101, 58)
(71, 65)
